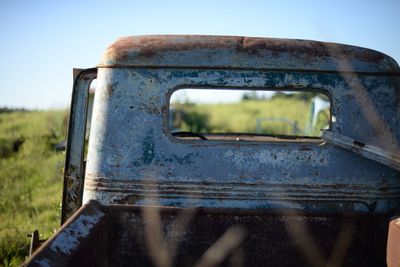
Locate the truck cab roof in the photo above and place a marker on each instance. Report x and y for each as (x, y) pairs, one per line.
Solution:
(230, 52)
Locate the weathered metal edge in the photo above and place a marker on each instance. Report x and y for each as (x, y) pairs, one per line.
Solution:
(245, 52)
(232, 190)
(58, 250)
(341, 72)
(388, 158)
(74, 165)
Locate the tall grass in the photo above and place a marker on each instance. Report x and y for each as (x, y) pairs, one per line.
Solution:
(30, 179)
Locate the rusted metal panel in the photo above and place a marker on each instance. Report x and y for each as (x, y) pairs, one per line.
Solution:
(387, 157)
(198, 51)
(125, 235)
(132, 153)
(265, 239)
(74, 164)
(82, 240)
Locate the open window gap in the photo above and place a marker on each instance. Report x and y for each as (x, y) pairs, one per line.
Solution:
(248, 115)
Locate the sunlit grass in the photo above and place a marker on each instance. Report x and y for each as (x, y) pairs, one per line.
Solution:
(30, 179)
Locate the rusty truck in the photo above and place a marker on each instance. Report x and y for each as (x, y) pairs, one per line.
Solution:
(146, 193)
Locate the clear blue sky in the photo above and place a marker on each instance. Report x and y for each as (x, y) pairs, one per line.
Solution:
(41, 41)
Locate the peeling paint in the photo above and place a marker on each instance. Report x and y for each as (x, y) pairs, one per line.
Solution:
(68, 239)
(150, 153)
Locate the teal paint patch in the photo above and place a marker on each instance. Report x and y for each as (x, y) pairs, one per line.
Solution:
(148, 148)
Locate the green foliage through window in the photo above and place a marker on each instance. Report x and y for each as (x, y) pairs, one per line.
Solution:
(275, 113)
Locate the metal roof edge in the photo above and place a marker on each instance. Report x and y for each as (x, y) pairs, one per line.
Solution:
(204, 51)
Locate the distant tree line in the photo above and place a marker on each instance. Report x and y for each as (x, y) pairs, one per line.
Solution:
(9, 110)
(185, 118)
(252, 95)
(303, 96)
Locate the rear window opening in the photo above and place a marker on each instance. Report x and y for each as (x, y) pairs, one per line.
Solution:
(248, 115)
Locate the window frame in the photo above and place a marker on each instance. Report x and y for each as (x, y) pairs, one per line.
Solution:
(292, 139)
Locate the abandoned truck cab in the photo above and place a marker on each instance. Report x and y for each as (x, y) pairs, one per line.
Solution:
(295, 199)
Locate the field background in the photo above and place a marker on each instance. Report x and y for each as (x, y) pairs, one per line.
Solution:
(31, 170)
(30, 179)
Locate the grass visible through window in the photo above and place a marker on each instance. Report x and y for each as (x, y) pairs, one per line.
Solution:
(252, 115)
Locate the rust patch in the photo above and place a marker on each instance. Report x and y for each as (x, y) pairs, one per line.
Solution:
(122, 55)
(147, 47)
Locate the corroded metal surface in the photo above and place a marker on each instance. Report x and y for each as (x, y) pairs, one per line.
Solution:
(74, 166)
(271, 239)
(388, 157)
(81, 241)
(125, 235)
(243, 52)
(132, 154)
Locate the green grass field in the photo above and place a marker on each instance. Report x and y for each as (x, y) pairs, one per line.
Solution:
(30, 179)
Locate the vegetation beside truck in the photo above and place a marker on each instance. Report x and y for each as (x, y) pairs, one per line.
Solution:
(30, 178)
